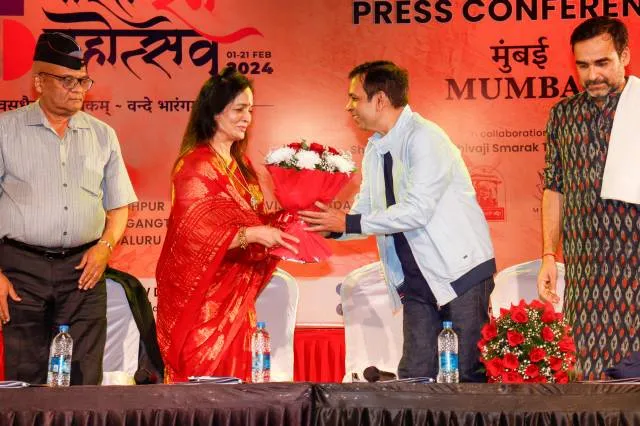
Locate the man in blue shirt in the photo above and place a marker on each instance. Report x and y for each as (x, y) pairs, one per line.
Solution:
(416, 197)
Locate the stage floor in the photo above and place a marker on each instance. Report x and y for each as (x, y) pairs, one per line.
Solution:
(324, 404)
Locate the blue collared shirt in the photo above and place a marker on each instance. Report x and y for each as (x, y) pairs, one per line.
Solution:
(54, 192)
(436, 207)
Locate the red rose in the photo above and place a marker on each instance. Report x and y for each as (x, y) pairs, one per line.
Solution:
(547, 334)
(481, 344)
(295, 145)
(555, 363)
(566, 344)
(514, 338)
(561, 377)
(549, 314)
(333, 150)
(316, 147)
(537, 354)
(489, 331)
(494, 367)
(510, 361)
(512, 377)
(536, 304)
(532, 371)
(519, 314)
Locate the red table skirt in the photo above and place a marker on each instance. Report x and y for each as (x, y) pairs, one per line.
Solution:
(318, 355)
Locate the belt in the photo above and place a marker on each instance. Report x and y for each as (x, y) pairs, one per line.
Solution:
(51, 254)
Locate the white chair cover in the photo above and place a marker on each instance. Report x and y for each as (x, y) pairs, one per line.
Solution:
(276, 306)
(520, 282)
(123, 337)
(373, 333)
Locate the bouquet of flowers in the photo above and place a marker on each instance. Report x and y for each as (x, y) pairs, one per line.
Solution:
(527, 343)
(303, 174)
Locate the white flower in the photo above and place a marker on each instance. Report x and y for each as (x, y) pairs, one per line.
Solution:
(341, 163)
(307, 159)
(303, 157)
(280, 155)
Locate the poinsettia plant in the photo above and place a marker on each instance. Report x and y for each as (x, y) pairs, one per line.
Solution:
(528, 343)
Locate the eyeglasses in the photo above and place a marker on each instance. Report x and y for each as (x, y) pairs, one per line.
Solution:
(70, 82)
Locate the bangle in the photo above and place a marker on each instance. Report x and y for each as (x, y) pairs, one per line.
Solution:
(242, 237)
(106, 243)
(549, 254)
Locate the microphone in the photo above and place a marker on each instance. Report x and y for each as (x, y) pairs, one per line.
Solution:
(372, 374)
(145, 377)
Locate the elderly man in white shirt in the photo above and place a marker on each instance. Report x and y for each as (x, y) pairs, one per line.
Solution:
(64, 196)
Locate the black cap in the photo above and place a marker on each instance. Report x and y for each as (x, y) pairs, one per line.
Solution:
(59, 49)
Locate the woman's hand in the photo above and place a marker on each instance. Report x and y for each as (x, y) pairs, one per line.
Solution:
(269, 237)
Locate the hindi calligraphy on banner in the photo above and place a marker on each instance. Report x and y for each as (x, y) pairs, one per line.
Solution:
(520, 53)
(9, 104)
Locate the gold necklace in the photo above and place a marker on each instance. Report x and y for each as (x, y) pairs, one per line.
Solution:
(232, 176)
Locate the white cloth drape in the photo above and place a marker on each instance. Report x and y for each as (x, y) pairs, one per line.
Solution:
(621, 178)
(277, 306)
(123, 337)
(373, 332)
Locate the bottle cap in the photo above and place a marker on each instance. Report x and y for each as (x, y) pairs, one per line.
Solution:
(447, 324)
(261, 324)
(64, 328)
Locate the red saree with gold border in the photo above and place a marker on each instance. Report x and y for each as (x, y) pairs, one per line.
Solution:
(206, 291)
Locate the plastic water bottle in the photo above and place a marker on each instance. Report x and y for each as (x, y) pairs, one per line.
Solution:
(261, 355)
(60, 359)
(448, 354)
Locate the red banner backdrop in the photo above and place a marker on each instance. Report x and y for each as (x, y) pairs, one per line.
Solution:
(487, 71)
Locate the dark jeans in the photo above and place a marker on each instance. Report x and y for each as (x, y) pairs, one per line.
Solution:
(50, 297)
(422, 323)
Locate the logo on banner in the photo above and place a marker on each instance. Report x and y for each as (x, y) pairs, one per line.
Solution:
(12, 8)
(17, 41)
(490, 192)
(106, 44)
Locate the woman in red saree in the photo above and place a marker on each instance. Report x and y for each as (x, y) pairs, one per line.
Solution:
(214, 260)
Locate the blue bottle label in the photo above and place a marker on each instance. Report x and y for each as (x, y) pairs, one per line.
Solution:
(59, 365)
(55, 365)
(267, 361)
(66, 366)
(448, 361)
(261, 361)
(257, 361)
